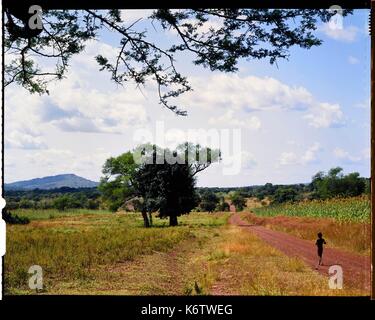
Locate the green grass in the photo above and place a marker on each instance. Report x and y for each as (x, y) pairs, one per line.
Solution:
(344, 209)
(72, 247)
(42, 214)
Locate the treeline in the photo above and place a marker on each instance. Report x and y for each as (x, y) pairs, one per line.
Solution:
(61, 198)
(332, 184)
(328, 185)
(210, 201)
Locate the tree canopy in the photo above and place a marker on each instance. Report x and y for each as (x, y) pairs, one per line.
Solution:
(164, 180)
(167, 188)
(285, 195)
(238, 200)
(116, 185)
(336, 184)
(216, 38)
(209, 201)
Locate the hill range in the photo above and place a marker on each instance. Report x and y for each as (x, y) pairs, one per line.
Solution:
(52, 182)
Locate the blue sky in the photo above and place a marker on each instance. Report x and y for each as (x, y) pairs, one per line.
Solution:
(308, 114)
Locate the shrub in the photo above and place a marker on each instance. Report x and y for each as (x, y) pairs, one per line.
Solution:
(223, 206)
(238, 201)
(14, 219)
(209, 201)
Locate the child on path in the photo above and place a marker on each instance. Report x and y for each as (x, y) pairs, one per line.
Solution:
(319, 243)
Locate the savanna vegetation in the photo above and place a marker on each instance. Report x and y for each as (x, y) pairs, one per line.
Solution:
(106, 249)
(60, 198)
(87, 240)
(106, 253)
(112, 194)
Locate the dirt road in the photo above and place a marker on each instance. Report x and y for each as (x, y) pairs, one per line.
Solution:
(356, 269)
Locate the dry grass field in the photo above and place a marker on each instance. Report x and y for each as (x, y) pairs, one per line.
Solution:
(103, 253)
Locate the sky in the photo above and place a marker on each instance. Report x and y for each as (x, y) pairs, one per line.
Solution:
(278, 124)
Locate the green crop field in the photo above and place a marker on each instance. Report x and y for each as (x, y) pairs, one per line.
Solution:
(346, 209)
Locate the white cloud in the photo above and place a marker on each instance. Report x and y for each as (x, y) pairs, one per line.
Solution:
(288, 158)
(346, 157)
(236, 93)
(246, 160)
(307, 157)
(353, 60)
(324, 115)
(292, 142)
(130, 16)
(86, 59)
(21, 110)
(49, 157)
(88, 101)
(310, 154)
(77, 103)
(57, 161)
(23, 140)
(345, 34)
(246, 93)
(253, 123)
(212, 24)
(228, 119)
(174, 137)
(21, 130)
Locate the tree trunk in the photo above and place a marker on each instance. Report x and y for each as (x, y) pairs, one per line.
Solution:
(150, 218)
(173, 221)
(145, 219)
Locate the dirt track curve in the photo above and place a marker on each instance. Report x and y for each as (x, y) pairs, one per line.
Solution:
(356, 268)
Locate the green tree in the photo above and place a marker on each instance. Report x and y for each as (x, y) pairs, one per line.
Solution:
(335, 183)
(116, 184)
(167, 187)
(241, 34)
(238, 200)
(62, 203)
(92, 204)
(209, 201)
(283, 194)
(26, 203)
(223, 205)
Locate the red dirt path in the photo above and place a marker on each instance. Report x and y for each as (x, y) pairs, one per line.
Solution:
(356, 268)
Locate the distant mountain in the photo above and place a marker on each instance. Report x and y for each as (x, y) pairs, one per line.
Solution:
(52, 182)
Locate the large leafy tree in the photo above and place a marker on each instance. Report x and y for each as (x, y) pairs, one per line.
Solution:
(166, 186)
(238, 34)
(168, 189)
(116, 185)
